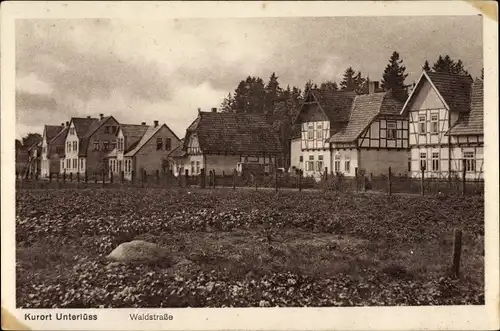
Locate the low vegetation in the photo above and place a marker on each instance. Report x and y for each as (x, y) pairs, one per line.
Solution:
(246, 248)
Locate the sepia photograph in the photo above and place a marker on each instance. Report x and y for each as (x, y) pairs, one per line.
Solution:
(248, 162)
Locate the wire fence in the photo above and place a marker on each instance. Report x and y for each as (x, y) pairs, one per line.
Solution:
(383, 184)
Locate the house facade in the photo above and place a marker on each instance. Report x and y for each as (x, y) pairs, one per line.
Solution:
(445, 115)
(342, 132)
(225, 142)
(34, 159)
(87, 144)
(49, 164)
(141, 148)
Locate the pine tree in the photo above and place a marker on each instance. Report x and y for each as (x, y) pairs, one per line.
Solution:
(227, 104)
(361, 84)
(394, 77)
(458, 68)
(348, 82)
(426, 66)
(273, 92)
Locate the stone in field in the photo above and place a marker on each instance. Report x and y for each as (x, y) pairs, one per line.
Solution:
(137, 251)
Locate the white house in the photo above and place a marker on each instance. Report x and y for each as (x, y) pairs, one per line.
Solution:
(49, 164)
(445, 113)
(342, 132)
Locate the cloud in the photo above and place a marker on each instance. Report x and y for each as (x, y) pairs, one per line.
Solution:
(145, 70)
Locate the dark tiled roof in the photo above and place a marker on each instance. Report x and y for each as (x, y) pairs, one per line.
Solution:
(58, 141)
(178, 151)
(235, 133)
(150, 132)
(133, 130)
(336, 104)
(365, 108)
(82, 125)
(472, 122)
(93, 127)
(52, 130)
(455, 89)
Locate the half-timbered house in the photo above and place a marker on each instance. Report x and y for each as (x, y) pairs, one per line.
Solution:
(445, 125)
(342, 131)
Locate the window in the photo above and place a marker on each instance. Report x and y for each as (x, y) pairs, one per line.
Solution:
(301, 158)
(197, 166)
(68, 146)
(347, 163)
(310, 132)
(96, 145)
(106, 129)
(423, 161)
(81, 164)
(105, 145)
(192, 167)
(310, 163)
(119, 145)
(319, 131)
(319, 163)
(470, 164)
(421, 124)
(435, 161)
(44, 149)
(113, 144)
(75, 163)
(168, 144)
(391, 130)
(113, 129)
(434, 123)
(75, 146)
(337, 163)
(159, 144)
(68, 163)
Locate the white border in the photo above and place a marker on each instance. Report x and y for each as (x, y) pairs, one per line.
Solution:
(373, 318)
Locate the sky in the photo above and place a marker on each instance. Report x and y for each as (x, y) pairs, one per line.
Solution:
(141, 71)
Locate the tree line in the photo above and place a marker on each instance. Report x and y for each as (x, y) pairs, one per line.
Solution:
(253, 95)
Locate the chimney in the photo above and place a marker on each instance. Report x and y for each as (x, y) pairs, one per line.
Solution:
(214, 110)
(156, 123)
(371, 87)
(88, 116)
(199, 110)
(67, 124)
(101, 116)
(62, 124)
(143, 123)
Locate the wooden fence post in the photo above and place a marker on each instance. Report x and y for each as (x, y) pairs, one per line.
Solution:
(234, 179)
(143, 177)
(464, 170)
(132, 176)
(103, 177)
(457, 251)
(86, 177)
(422, 186)
(255, 180)
(276, 179)
(326, 174)
(157, 177)
(122, 176)
(95, 177)
(202, 178)
(300, 180)
(390, 181)
(71, 177)
(78, 177)
(186, 175)
(50, 177)
(213, 178)
(356, 178)
(364, 182)
(223, 178)
(64, 176)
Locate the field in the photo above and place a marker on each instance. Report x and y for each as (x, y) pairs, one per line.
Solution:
(246, 248)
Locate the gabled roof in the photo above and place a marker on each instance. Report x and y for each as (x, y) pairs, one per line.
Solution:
(335, 104)
(58, 140)
(92, 128)
(454, 90)
(133, 130)
(472, 122)
(150, 132)
(51, 131)
(234, 133)
(82, 125)
(365, 109)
